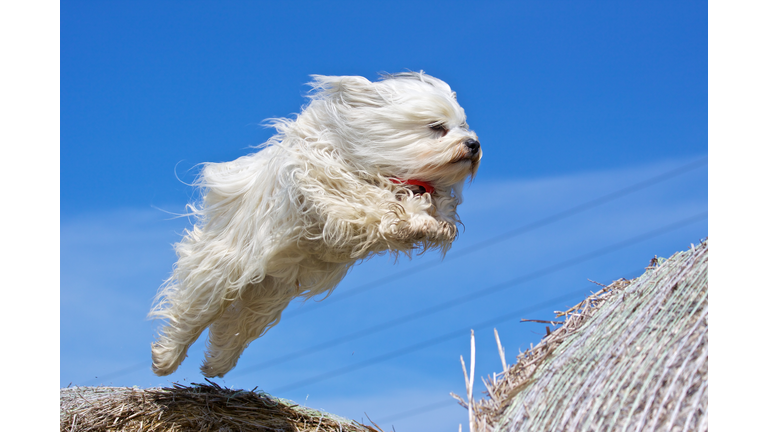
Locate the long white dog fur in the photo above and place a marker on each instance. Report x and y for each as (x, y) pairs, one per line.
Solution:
(366, 167)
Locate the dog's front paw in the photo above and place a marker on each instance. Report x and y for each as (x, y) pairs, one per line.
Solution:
(428, 228)
(413, 228)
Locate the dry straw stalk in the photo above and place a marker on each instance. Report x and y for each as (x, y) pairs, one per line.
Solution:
(199, 407)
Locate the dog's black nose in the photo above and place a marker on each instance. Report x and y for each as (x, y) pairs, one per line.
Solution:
(473, 146)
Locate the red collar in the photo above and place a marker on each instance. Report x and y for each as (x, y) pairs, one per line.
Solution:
(428, 188)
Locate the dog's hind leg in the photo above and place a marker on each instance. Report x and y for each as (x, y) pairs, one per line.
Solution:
(188, 313)
(256, 310)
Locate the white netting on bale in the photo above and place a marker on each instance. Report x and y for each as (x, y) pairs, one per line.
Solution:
(631, 357)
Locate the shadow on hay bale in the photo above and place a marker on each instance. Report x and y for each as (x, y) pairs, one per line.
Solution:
(198, 407)
(632, 356)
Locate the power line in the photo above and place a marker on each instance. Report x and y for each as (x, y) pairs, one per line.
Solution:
(426, 408)
(470, 249)
(420, 410)
(510, 234)
(422, 344)
(475, 295)
(447, 336)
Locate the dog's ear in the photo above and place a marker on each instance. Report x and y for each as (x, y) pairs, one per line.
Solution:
(354, 91)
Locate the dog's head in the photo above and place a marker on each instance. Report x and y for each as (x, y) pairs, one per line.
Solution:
(405, 126)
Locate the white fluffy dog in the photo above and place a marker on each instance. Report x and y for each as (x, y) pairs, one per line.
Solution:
(365, 168)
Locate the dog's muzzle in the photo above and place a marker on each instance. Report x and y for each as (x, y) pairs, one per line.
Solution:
(473, 148)
(468, 151)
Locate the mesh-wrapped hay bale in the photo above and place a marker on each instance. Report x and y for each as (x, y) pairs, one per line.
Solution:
(632, 357)
(198, 407)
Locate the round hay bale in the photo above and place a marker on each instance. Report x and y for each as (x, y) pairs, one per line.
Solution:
(198, 407)
(633, 356)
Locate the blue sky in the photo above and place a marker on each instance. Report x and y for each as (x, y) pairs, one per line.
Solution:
(572, 101)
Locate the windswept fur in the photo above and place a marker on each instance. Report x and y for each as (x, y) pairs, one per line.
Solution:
(327, 190)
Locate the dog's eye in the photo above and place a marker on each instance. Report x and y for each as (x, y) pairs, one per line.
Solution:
(440, 128)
